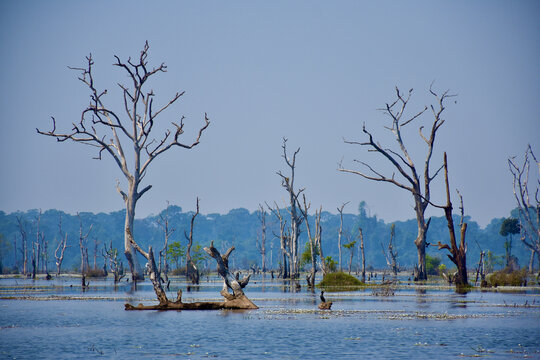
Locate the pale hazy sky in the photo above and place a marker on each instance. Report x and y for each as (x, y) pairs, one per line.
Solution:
(312, 71)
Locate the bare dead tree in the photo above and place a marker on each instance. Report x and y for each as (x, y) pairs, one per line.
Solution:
(83, 246)
(458, 254)
(24, 244)
(318, 239)
(361, 234)
(527, 199)
(283, 240)
(62, 245)
(401, 160)
(111, 256)
(312, 244)
(163, 271)
(261, 246)
(296, 219)
(37, 246)
(390, 254)
(103, 128)
(192, 272)
(340, 233)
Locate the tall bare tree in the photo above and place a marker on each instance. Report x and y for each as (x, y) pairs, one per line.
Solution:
(105, 129)
(83, 246)
(528, 199)
(409, 177)
(391, 254)
(163, 271)
(283, 240)
(361, 234)
(312, 243)
(62, 245)
(458, 253)
(191, 269)
(318, 239)
(261, 245)
(296, 218)
(340, 233)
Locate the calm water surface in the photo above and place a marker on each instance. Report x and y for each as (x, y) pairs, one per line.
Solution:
(56, 319)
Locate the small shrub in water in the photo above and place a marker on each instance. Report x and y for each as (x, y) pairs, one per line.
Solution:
(340, 281)
(95, 273)
(507, 277)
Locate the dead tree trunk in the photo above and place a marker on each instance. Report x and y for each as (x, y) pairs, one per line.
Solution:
(391, 255)
(62, 245)
(405, 166)
(82, 246)
(457, 254)
(340, 233)
(318, 239)
(528, 204)
(236, 300)
(192, 272)
(283, 240)
(312, 246)
(163, 271)
(296, 219)
(361, 234)
(261, 246)
(111, 255)
(102, 127)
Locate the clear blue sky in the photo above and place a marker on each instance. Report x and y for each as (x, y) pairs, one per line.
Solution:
(312, 71)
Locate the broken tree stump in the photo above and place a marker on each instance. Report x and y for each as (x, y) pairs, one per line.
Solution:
(236, 300)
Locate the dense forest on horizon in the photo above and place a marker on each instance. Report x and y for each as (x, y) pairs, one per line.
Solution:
(242, 228)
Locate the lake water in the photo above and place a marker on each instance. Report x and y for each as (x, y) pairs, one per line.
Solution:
(55, 319)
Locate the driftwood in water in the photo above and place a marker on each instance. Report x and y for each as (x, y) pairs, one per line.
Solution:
(236, 300)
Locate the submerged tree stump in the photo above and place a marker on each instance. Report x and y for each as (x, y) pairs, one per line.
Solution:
(236, 300)
(324, 305)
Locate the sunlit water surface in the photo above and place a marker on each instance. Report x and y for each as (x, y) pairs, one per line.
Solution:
(56, 319)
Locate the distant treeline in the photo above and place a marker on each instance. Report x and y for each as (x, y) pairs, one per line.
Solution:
(240, 228)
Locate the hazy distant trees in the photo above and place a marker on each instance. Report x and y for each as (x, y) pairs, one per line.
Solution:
(105, 129)
(261, 244)
(401, 160)
(527, 194)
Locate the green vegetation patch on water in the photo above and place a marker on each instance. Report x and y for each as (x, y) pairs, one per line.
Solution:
(340, 281)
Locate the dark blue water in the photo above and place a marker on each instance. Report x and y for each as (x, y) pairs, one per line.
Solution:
(50, 320)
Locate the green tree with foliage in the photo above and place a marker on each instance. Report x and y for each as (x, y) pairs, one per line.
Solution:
(198, 255)
(305, 258)
(432, 264)
(330, 264)
(176, 252)
(350, 247)
(509, 227)
(492, 261)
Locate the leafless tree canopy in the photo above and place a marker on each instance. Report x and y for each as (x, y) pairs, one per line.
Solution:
(527, 194)
(108, 130)
(409, 174)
